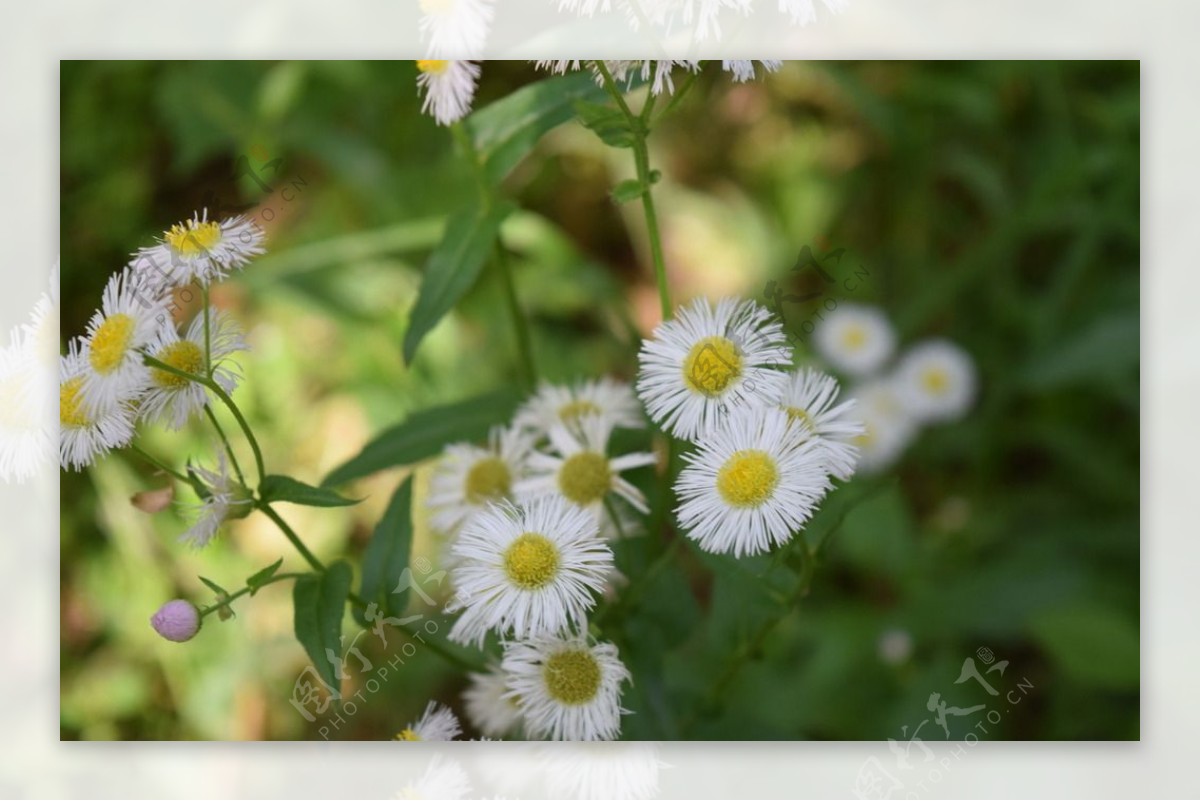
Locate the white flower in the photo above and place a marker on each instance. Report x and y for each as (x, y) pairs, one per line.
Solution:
(811, 401)
(437, 724)
(488, 708)
(657, 73)
(172, 399)
(744, 70)
(85, 434)
(456, 28)
(555, 405)
(224, 498)
(448, 86)
(468, 478)
(802, 12)
(707, 362)
(129, 318)
(26, 428)
(444, 778)
(935, 381)
(530, 570)
(751, 484)
(579, 470)
(603, 770)
(854, 339)
(199, 250)
(568, 689)
(888, 428)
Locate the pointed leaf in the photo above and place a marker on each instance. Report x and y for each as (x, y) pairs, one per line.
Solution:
(319, 601)
(628, 190)
(387, 553)
(256, 582)
(607, 122)
(289, 490)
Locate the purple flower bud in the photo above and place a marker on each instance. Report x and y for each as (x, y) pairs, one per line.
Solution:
(177, 621)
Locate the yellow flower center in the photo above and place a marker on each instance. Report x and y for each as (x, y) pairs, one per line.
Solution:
(935, 380)
(408, 735)
(747, 479)
(192, 238)
(70, 404)
(572, 677)
(182, 355)
(531, 561)
(110, 343)
(712, 364)
(487, 480)
(570, 412)
(585, 477)
(854, 337)
(433, 67)
(796, 414)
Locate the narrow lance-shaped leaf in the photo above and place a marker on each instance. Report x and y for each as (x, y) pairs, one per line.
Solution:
(289, 490)
(319, 601)
(256, 582)
(387, 553)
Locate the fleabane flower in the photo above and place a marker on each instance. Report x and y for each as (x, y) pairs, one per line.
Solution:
(224, 498)
(743, 71)
(86, 433)
(856, 340)
(456, 27)
(436, 724)
(529, 570)
(448, 87)
(708, 361)
(554, 405)
(751, 484)
(568, 688)
(810, 399)
(887, 426)
(489, 708)
(579, 470)
(468, 478)
(129, 318)
(802, 12)
(171, 398)
(199, 250)
(935, 381)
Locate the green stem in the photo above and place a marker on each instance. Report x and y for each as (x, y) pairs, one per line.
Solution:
(524, 342)
(228, 599)
(138, 450)
(237, 468)
(288, 532)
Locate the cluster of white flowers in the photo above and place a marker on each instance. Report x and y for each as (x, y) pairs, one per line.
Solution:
(934, 381)
(527, 519)
(768, 440)
(105, 384)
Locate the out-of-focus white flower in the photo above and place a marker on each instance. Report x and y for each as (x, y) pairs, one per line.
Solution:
(935, 381)
(444, 778)
(751, 485)
(456, 28)
(437, 724)
(86, 433)
(129, 318)
(171, 398)
(26, 439)
(488, 707)
(567, 688)
(802, 12)
(856, 340)
(198, 250)
(895, 646)
(448, 87)
(602, 770)
(888, 428)
(811, 401)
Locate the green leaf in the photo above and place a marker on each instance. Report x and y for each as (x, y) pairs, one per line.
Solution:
(256, 582)
(506, 130)
(608, 123)
(319, 601)
(628, 190)
(215, 587)
(1093, 646)
(452, 269)
(425, 433)
(387, 554)
(289, 490)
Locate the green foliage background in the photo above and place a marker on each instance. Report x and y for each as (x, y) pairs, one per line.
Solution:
(993, 203)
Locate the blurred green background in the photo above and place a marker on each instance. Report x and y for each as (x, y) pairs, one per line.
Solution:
(994, 203)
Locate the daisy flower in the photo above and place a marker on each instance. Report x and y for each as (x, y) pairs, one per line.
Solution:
(437, 724)
(743, 71)
(856, 340)
(199, 250)
(811, 401)
(751, 484)
(568, 688)
(802, 12)
(707, 361)
(468, 478)
(579, 470)
(84, 433)
(488, 709)
(449, 87)
(887, 427)
(172, 399)
(554, 405)
(935, 381)
(128, 319)
(223, 499)
(456, 27)
(530, 570)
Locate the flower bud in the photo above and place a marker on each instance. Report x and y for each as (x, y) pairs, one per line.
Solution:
(177, 621)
